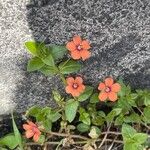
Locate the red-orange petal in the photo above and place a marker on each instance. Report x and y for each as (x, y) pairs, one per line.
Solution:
(75, 93)
(78, 80)
(29, 134)
(103, 96)
(36, 137)
(32, 124)
(101, 86)
(75, 54)
(69, 89)
(70, 80)
(71, 46)
(109, 81)
(116, 87)
(85, 44)
(112, 96)
(27, 127)
(85, 54)
(77, 40)
(81, 88)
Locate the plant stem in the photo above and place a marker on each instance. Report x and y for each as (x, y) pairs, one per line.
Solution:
(104, 139)
(66, 135)
(144, 124)
(110, 140)
(79, 136)
(63, 79)
(111, 132)
(76, 142)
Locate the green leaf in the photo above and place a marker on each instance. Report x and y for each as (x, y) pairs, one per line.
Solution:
(85, 118)
(140, 138)
(55, 116)
(127, 132)
(69, 66)
(83, 127)
(112, 114)
(33, 111)
(134, 95)
(132, 139)
(9, 141)
(144, 95)
(102, 114)
(49, 70)
(32, 47)
(71, 109)
(130, 146)
(147, 101)
(147, 143)
(125, 90)
(146, 113)
(44, 114)
(94, 98)
(48, 60)
(39, 117)
(119, 120)
(56, 96)
(126, 104)
(57, 51)
(34, 64)
(86, 94)
(38, 49)
(47, 124)
(98, 120)
(46, 111)
(17, 134)
(41, 139)
(133, 118)
(1, 148)
(94, 132)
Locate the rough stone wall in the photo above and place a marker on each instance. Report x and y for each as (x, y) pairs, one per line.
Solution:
(119, 32)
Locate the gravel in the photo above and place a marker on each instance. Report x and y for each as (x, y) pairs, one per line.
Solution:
(119, 32)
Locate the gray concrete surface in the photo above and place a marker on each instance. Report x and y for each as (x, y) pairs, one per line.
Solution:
(119, 32)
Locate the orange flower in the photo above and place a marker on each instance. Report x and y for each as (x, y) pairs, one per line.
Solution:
(109, 90)
(32, 131)
(75, 86)
(79, 48)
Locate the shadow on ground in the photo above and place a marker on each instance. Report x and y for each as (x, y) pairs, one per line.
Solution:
(115, 29)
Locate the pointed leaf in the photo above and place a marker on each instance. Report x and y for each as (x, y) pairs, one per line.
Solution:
(9, 141)
(112, 114)
(127, 132)
(94, 132)
(69, 66)
(83, 127)
(71, 109)
(94, 98)
(48, 60)
(86, 94)
(85, 118)
(38, 49)
(17, 134)
(49, 70)
(140, 138)
(57, 51)
(34, 64)
(32, 47)
(33, 111)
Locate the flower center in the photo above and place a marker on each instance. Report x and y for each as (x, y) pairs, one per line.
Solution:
(79, 47)
(108, 89)
(34, 129)
(75, 85)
